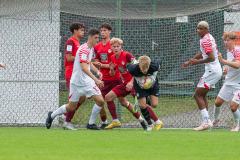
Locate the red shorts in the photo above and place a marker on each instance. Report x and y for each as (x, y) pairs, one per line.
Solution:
(120, 90)
(109, 85)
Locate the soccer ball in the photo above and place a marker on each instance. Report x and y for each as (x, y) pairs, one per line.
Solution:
(147, 83)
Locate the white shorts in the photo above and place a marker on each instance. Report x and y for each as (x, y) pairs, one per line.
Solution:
(77, 91)
(209, 79)
(236, 97)
(227, 92)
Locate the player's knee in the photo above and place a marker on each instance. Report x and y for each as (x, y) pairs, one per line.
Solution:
(218, 103)
(108, 98)
(233, 106)
(71, 109)
(154, 104)
(100, 102)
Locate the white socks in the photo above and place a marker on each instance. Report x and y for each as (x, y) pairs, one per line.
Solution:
(158, 122)
(116, 120)
(216, 112)
(95, 111)
(140, 119)
(59, 111)
(205, 115)
(236, 115)
(105, 122)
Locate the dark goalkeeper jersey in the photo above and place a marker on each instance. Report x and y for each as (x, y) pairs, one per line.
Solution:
(139, 77)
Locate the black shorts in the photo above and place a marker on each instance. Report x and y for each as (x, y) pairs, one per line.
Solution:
(154, 91)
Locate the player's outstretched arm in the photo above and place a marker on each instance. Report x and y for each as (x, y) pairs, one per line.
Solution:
(234, 64)
(209, 59)
(198, 56)
(187, 63)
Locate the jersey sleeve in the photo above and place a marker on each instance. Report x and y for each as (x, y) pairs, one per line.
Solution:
(237, 55)
(129, 57)
(155, 65)
(207, 46)
(69, 47)
(132, 68)
(83, 56)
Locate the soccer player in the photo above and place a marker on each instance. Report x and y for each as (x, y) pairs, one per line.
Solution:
(119, 61)
(103, 55)
(230, 91)
(83, 82)
(146, 85)
(213, 71)
(70, 49)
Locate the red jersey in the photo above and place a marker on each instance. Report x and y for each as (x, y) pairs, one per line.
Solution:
(121, 64)
(103, 54)
(71, 47)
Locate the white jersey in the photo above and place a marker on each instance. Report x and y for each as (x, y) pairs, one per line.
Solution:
(80, 78)
(208, 45)
(233, 75)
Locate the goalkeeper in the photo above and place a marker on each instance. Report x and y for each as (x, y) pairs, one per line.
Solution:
(146, 85)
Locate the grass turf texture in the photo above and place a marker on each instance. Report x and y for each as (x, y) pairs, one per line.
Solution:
(168, 105)
(117, 144)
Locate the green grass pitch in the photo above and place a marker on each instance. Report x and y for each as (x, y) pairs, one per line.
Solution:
(117, 144)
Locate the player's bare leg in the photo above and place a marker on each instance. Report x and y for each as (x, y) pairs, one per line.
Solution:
(109, 98)
(125, 103)
(69, 115)
(143, 106)
(154, 104)
(236, 115)
(99, 104)
(71, 106)
(103, 117)
(199, 96)
(217, 107)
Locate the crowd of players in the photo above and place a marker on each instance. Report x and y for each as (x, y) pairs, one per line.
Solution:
(103, 71)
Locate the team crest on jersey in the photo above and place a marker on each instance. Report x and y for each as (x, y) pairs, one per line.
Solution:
(104, 57)
(109, 51)
(123, 62)
(121, 69)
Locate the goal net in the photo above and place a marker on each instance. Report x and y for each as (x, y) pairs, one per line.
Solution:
(33, 36)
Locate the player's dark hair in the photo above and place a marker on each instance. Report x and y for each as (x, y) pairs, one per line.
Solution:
(93, 32)
(76, 26)
(107, 26)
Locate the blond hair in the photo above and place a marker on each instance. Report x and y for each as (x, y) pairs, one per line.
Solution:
(229, 35)
(144, 61)
(203, 24)
(116, 40)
